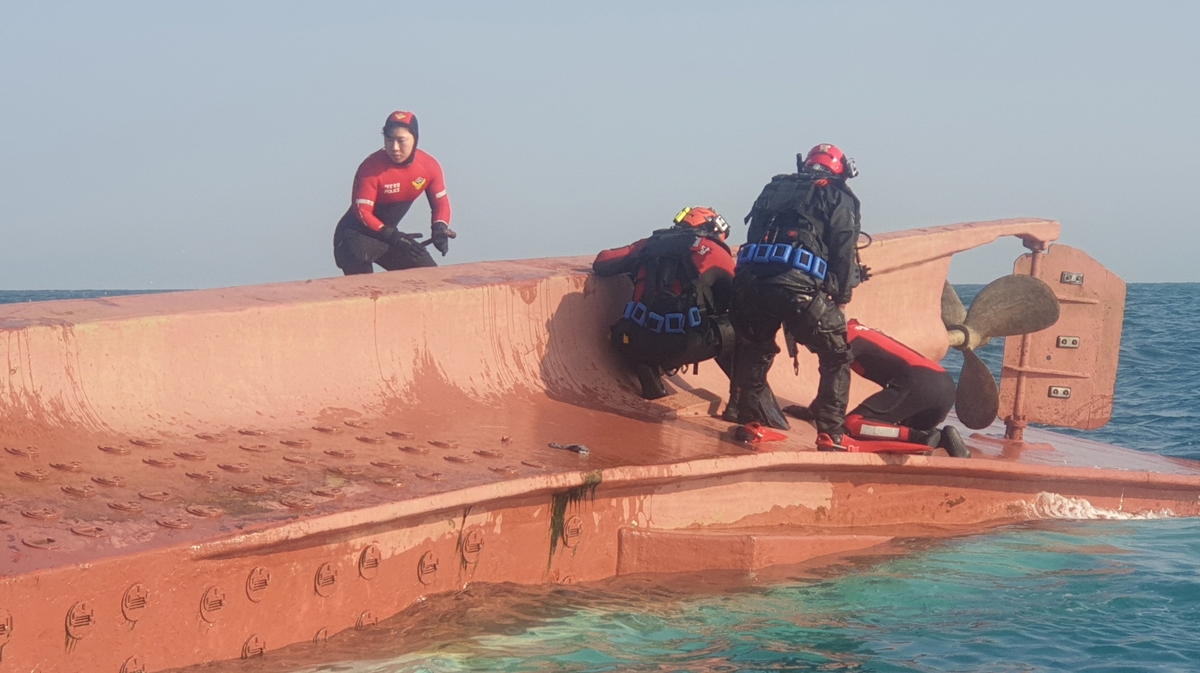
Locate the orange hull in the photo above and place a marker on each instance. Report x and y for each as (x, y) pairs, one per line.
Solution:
(232, 471)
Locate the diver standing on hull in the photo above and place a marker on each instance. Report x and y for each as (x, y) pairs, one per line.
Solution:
(385, 186)
(798, 270)
(917, 395)
(682, 284)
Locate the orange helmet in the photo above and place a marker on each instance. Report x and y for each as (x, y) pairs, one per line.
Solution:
(699, 217)
(829, 158)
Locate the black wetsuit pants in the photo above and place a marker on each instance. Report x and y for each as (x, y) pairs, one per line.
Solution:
(919, 400)
(355, 251)
(644, 349)
(759, 309)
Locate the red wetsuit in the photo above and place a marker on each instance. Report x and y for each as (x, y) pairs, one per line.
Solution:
(917, 392)
(385, 190)
(383, 193)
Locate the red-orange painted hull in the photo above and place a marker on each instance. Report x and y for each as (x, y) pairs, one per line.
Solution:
(306, 458)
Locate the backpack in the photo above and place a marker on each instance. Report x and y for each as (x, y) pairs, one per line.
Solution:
(671, 281)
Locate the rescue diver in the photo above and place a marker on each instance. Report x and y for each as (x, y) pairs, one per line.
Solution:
(385, 186)
(917, 394)
(798, 269)
(682, 285)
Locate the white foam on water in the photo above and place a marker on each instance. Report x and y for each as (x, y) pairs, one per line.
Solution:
(1054, 506)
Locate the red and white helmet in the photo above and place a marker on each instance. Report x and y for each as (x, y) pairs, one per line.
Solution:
(699, 217)
(831, 159)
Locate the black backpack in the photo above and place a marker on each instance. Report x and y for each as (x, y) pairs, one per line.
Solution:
(666, 260)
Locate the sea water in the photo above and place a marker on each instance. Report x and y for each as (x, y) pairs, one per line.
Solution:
(1045, 596)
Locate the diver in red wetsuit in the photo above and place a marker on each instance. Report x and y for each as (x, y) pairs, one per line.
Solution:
(385, 186)
(917, 394)
(682, 285)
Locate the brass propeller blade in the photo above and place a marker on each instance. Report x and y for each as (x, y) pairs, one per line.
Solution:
(977, 400)
(1011, 305)
(953, 311)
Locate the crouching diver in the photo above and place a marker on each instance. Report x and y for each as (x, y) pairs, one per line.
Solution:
(385, 186)
(682, 283)
(798, 269)
(917, 394)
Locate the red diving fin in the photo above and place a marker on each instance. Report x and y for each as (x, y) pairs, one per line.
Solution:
(753, 433)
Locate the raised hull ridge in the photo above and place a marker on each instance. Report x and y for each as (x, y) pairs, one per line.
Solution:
(237, 470)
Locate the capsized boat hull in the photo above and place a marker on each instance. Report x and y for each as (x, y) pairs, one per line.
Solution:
(284, 462)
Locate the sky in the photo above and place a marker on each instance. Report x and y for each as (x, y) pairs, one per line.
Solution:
(192, 145)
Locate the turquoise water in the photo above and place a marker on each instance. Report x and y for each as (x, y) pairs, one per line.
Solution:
(1074, 596)
(1050, 596)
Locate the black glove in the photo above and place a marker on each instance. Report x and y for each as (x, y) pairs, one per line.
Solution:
(393, 236)
(441, 234)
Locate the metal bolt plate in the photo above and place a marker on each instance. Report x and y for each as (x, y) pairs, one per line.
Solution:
(365, 439)
(194, 456)
(148, 443)
(365, 620)
(325, 581)
(369, 560)
(472, 545)
(159, 462)
(1068, 342)
(282, 479)
(211, 603)
(205, 511)
(427, 568)
(1069, 278)
(1060, 392)
(401, 435)
(325, 429)
(459, 459)
(572, 531)
(41, 514)
(357, 424)
(85, 491)
(299, 503)
(247, 432)
(443, 444)
(329, 492)
(134, 602)
(129, 507)
(115, 450)
(488, 453)
(174, 522)
(23, 452)
(534, 463)
(505, 471)
(48, 543)
(156, 496)
(430, 476)
(255, 448)
(390, 482)
(33, 475)
(89, 531)
(388, 464)
(72, 466)
(236, 468)
(207, 475)
(297, 443)
(346, 470)
(418, 450)
(340, 453)
(80, 619)
(297, 459)
(114, 481)
(256, 583)
(252, 489)
(210, 437)
(254, 647)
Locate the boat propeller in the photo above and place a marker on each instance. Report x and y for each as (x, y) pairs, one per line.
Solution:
(1007, 306)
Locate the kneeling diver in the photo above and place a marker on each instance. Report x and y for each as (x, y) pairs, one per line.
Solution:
(917, 394)
(682, 284)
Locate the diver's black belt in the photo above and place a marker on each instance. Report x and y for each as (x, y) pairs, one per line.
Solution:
(671, 323)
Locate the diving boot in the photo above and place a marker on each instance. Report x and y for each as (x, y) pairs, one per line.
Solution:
(799, 411)
(730, 415)
(931, 438)
(652, 383)
(772, 415)
(953, 443)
